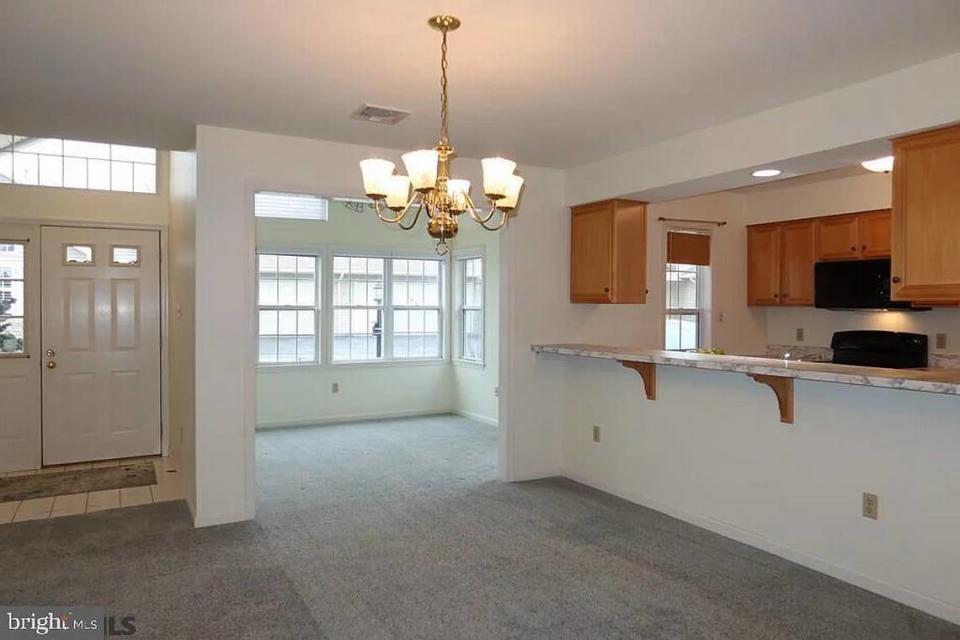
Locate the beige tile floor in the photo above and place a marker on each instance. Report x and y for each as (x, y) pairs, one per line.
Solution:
(167, 488)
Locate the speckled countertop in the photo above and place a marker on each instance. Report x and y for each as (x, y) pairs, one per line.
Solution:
(931, 380)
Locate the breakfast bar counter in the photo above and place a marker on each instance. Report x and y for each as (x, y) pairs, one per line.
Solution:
(776, 373)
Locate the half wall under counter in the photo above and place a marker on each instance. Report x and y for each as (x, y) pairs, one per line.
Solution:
(708, 451)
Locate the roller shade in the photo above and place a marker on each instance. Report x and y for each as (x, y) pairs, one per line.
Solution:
(688, 248)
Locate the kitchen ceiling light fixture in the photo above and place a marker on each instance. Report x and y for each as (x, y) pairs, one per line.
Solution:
(879, 165)
(766, 173)
(428, 173)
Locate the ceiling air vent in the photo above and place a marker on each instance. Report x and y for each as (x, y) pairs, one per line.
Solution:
(380, 115)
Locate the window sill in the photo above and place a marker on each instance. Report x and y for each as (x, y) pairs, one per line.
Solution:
(469, 364)
(413, 362)
(293, 366)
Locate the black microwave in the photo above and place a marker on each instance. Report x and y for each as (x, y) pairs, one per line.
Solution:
(854, 284)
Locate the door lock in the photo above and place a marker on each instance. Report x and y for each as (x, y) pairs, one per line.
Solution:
(51, 365)
(51, 353)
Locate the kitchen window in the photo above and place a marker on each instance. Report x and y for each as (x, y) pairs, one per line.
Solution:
(287, 295)
(687, 290)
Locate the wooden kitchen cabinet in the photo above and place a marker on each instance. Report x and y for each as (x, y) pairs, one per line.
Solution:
(875, 230)
(854, 236)
(926, 217)
(608, 252)
(838, 238)
(796, 263)
(763, 264)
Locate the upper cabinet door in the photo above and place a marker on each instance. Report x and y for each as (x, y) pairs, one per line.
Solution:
(608, 252)
(591, 254)
(838, 238)
(875, 234)
(796, 263)
(763, 265)
(926, 217)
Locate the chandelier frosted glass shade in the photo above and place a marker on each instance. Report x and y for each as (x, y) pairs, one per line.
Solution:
(510, 198)
(459, 192)
(422, 168)
(496, 176)
(375, 173)
(435, 192)
(397, 192)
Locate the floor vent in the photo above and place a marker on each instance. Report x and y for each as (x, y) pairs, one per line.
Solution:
(380, 115)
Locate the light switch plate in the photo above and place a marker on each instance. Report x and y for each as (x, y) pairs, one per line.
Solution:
(596, 433)
(799, 334)
(941, 341)
(871, 505)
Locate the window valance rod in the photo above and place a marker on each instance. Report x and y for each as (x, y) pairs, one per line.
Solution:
(719, 223)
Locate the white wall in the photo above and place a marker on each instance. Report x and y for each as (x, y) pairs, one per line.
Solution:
(836, 123)
(182, 275)
(474, 385)
(711, 450)
(303, 394)
(231, 165)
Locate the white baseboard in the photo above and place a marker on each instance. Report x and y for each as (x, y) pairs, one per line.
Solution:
(353, 417)
(899, 593)
(477, 417)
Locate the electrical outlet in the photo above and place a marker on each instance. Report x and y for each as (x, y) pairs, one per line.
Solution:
(596, 433)
(941, 341)
(871, 505)
(799, 334)
(335, 387)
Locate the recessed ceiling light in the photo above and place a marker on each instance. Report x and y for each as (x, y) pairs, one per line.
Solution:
(766, 173)
(879, 165)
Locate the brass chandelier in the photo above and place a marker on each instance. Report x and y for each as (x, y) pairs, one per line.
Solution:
(428, 173)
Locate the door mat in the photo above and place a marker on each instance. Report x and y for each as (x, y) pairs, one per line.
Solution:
(44, 485)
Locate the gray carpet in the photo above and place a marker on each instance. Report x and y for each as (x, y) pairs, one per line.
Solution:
(399, 530)
(62, 483)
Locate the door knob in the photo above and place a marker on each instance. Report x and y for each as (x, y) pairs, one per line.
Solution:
(51, 353)
(51, 365)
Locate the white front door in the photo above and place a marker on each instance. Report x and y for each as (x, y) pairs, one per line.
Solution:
(19, 347)
(101, 344)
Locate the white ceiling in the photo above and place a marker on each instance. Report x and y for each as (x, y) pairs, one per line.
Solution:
(552, 82)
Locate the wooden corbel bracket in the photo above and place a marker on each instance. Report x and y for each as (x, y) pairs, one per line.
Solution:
(647, 371)
(783, 387)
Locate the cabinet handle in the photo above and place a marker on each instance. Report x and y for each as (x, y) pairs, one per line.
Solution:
(785, 296)
(606, 289)
(853, 248)
(896, 279)
(864, 247)
(776, 295)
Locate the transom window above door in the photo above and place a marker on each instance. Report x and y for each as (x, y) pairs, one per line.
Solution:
(77, 164)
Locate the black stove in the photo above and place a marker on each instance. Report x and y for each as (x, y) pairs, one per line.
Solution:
(880, 349)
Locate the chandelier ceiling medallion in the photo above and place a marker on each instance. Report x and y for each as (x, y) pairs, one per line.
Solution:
(428, 173)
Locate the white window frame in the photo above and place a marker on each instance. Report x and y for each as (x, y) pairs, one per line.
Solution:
(387, 255)
(318, 306)
(459, 283)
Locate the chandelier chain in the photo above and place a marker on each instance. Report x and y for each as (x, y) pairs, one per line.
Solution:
(443, 91)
